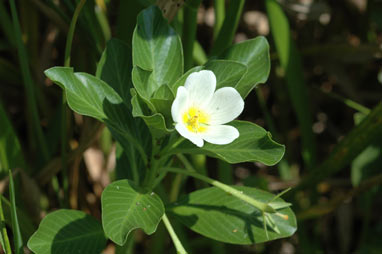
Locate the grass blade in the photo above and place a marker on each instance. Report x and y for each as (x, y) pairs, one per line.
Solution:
(18, 240)
(228, 30)
(28, 83)
(189, 31)
(219, 9)
(290, 61)
(343, 153)
(4, 235)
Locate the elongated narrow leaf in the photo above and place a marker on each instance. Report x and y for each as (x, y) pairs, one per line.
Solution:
(18, 239)
(253, 144)
(10, 151)
(27, 228)
(68, 231)
(255, 55)
(223, 217)
(125, 208)
(157, 47)
(291, 62)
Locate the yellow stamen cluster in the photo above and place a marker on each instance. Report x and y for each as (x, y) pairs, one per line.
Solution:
(195, 120)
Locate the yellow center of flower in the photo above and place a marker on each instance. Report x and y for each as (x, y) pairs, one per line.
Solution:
(195, 120)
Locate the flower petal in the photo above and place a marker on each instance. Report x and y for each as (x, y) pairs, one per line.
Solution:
(193, 137)
(220, 134)
(179, 104)
(225, 106)
(201, 86)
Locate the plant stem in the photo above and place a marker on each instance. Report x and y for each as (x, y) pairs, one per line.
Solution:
(189, 31)
(64, 109)
(171, 145)
(69, 39)
(178, 245)
(234, 192)
(28, 83)
(4, 235)
(228, 30)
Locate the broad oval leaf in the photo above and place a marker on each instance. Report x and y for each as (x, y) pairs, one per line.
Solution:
(228, 73)
(85, 93)
(157, 47)
(215, 214)
(125, 208)
(115, 67)
(68, 231)
(254, 144)
(255, 55)
(155, 122)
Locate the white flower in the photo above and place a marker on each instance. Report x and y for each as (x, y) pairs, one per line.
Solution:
(199, 112)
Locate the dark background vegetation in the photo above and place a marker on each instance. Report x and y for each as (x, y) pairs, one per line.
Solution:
(336, 68)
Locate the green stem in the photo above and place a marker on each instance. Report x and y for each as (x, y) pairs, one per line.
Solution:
(175, 188)
(219, 9)
(178, 245)
(4, 235)
(189, 31)
(28, 83)
(171, 145)
(153, 166)
(264, 207)
(64, 109)
(69, 39)
(228, 30)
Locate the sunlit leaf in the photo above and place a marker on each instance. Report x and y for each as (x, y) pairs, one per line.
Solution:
(254, 54)
(215, 214)
(125, 207)
(253, 144)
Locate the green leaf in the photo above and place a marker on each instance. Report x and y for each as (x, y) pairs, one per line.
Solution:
(144, 83)
(125, 207)
(215, 214)
(68, 231)
(18, 240)
(368, 162)
(253, 144)
(291, 62)
(85, 93)
(255, 55)
(156, 122)
(228, 73)
(10, 150)
(157, 47)
(115, 67)
(88, 95)
(27, 228)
